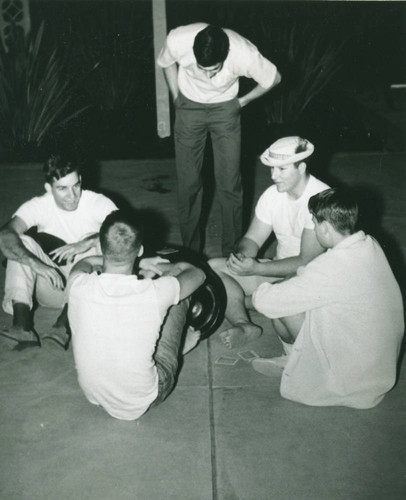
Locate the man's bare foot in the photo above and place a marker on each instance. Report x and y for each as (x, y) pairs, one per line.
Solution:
(240, 334)
(270, 367)
(16, 335)
(191, 340)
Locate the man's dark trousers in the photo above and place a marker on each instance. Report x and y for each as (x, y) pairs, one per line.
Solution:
(222, 121)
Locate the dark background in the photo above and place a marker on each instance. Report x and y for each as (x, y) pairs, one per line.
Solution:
(106, 52)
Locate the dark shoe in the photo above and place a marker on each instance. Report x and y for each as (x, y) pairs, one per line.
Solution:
(20, 339)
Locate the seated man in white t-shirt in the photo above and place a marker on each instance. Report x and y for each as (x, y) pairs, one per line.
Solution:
(123, 363)
(66, 214)
(281, 209)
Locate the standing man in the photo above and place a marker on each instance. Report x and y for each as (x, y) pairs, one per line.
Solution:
(346, 346)
(202, 66)
(282, 210)
(65, 213)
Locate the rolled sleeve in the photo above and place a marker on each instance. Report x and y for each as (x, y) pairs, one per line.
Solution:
(167, 55)
(262, 70)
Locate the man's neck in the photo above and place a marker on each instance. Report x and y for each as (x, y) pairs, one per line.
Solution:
(118, 268)
(299, 189)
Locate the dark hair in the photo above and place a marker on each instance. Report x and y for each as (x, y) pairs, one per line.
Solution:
(211, 46)
(57, 167)
(121, 236)
(302, 146)
(337, 206)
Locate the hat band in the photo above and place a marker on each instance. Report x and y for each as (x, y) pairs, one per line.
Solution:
(280, 156)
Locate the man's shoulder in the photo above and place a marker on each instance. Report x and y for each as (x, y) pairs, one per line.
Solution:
(91, 197)
(315, 185)
(43, 201)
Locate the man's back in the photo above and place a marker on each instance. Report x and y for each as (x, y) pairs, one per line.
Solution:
(115, 321)
(353, 329)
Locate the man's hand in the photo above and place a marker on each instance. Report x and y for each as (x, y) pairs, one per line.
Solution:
(52, 274)
(70, 251)
(241, 265)
(149, 267)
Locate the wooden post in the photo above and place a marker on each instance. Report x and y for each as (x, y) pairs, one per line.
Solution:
(162, 94)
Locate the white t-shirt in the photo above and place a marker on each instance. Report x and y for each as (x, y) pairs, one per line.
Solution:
(71, 227)
(288, 217)
(243, 59)
(115, 321)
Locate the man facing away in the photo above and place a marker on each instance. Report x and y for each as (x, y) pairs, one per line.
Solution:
(202, 66)
(116, 320)
(345, 349)
(65, 214)
(282, 210)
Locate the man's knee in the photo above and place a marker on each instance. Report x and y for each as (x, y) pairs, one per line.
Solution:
(218, 264)
(293, 324)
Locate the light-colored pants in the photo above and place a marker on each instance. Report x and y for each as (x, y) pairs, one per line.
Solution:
(22, 282)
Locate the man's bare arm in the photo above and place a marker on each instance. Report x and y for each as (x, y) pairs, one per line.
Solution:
(258, 91)
(254, 238)
(71, 250)
(309, 249)
(171, 77)
(13, 248)
(10, 242)
(190, 277)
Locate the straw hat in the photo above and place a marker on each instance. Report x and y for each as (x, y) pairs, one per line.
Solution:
(285, 151)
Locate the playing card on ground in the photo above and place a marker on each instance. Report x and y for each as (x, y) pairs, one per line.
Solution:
(248, 355)
(225, 360)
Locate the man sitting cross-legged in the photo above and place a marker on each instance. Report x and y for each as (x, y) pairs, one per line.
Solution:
(281, 209)
(123, 363)
(65, 213)
(346, 346)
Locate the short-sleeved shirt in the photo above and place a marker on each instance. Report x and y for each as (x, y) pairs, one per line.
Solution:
(288, 217)
(71, 227)
(115, 321)
(243, 59)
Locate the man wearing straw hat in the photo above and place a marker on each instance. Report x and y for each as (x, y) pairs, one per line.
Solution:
(282, 210)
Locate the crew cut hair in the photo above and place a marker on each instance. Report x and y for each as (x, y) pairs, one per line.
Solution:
(211, 46)
(338, 206)
(121, 236)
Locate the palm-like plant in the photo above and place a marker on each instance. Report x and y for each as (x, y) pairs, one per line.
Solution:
(308, 60)
(36, 95)
(114, 56)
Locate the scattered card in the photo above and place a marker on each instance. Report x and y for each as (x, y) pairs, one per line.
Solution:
(248, 355)
(226, 360)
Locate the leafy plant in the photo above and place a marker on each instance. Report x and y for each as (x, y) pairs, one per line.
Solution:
(36, 95)
(308, 60)
(113, 53)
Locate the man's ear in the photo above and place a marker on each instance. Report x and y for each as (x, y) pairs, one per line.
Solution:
(302, 167)
(140, 251)
(47, 187)
(326, 227)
